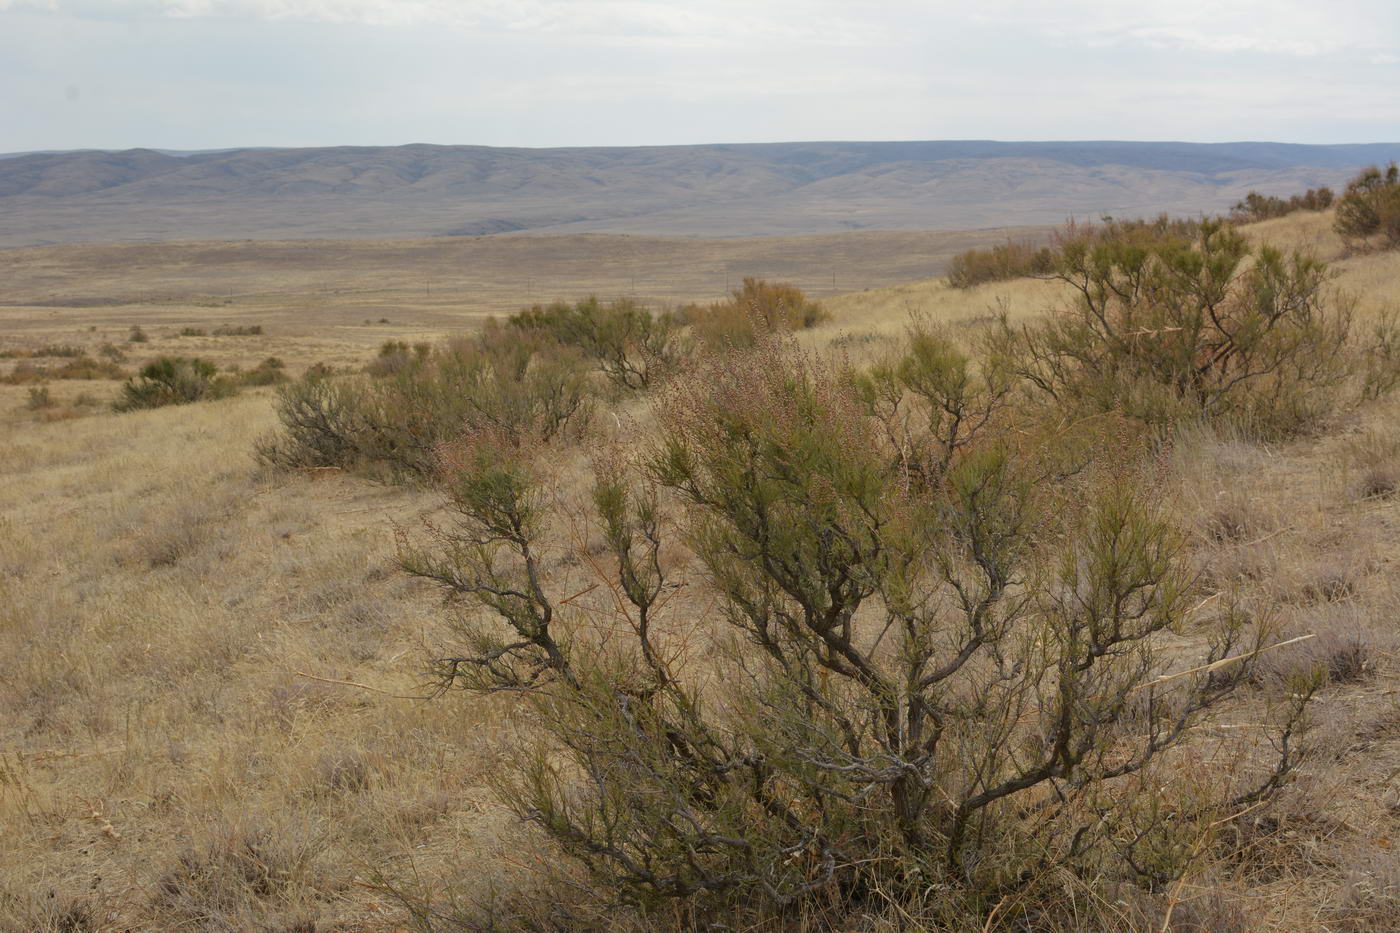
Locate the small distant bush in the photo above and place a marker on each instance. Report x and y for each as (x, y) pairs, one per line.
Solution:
(1369, 209)
(271, 371)
(173, 380)
(758, 307)
(39, 397)
(112, 352)
(1010, 260)
(137, 335)
(630, 345)
(193, 332)
(1164, 328)
(233, 330)
(1256, 207)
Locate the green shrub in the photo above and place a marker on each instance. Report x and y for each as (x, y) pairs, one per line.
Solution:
(193, 332)
(234, 330)
(112, 352)
(137, 335)
(1370, 208)
(173, 380)
(627, 343)
(930, 684)
(1010, 260)
(520, 385)
(320, 426)
(1164, 328)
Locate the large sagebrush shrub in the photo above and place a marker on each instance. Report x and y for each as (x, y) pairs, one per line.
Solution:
(1164, 327)
(929, 681)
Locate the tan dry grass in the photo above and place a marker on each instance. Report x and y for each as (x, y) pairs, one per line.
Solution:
(159, 600)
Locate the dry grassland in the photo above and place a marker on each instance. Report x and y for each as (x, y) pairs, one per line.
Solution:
(208, 671)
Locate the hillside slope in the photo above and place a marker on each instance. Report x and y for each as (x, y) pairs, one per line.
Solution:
(714, 190)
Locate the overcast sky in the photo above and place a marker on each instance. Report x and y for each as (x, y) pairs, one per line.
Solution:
(198, 74)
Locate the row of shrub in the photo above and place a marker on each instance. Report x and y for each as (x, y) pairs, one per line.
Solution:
(539, 374)
(1020, 258)
(59, 351)
(26, 372)
(223, 330)
(1013, 259)
(1368, 210)
(1256, 207)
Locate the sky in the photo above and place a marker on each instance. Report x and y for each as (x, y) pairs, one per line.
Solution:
(207, 74)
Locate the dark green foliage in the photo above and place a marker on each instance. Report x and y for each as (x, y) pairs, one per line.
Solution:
(1010, 260)
(1370, 208)
(193, 332)
(173, 380)
(1164, 328)
(137, 335)
(629, 345)
(1256, 207)
(235, 330)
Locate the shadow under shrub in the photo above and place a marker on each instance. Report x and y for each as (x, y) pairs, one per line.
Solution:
(910, 693)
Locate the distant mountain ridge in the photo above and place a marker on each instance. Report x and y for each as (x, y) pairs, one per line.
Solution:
(721, 189)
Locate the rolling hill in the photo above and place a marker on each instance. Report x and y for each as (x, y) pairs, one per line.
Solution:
(710, 190)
